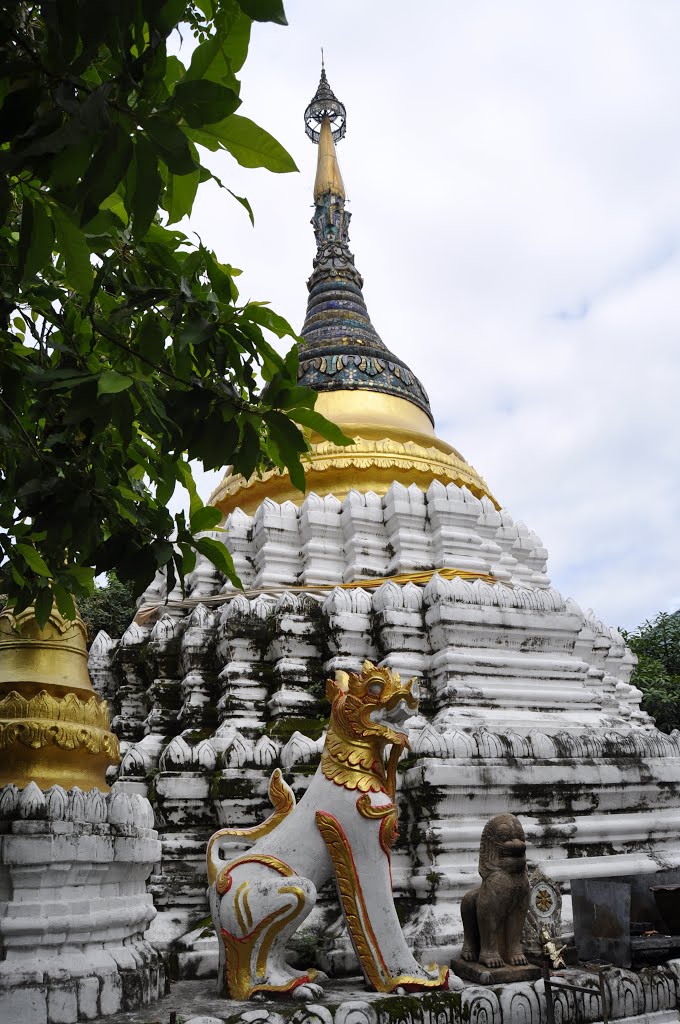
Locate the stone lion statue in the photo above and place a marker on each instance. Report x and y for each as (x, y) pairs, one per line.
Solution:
(345, 826)
(494, 913)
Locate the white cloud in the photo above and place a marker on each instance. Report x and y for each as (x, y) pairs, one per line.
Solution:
(513, 173)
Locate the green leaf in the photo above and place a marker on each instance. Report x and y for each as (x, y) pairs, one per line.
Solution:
(171, 144)
(83, 576)
(291, 398)
(286, 435)
(203, 102)
(105, 172)
(220, 276)
(170, 577)
(297, 474)
(291, 361)
(244, 202)
(35, 239)
(248, 452)
(147, 187)
(319, 423)
(251, 145)
(166, 14)
(290, 444)
(72, 244)
(237, 39)
(223, 54)
(264, 10)
(266, 317)
(205, 518)
(162, 551)
(188, 559)
(220, 557)
(151, 338)
(64, 601)
(185, 475)
(166, 482)
(43, 606)
(195, 332)
(33, 559)
(208, 61)
(111, 382)
(180, 194)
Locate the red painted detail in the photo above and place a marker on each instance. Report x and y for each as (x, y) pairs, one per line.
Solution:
(223, 883)
(272, 993)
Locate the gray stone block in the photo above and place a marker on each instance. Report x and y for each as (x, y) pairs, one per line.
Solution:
(601, 909)
(62, 1004)
(28, 1005)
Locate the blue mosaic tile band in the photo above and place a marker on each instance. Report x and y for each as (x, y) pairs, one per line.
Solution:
(341, 349)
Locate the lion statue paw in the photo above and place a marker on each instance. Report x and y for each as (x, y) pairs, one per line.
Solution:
(491, 961)
(307, 992)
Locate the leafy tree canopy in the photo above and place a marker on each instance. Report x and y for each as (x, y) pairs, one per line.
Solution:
(124, 347)
(111, 607)
(657, 646)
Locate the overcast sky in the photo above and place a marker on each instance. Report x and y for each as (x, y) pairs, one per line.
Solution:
(513, 171)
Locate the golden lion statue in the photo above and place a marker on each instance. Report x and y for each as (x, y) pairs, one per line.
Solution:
(345, 826)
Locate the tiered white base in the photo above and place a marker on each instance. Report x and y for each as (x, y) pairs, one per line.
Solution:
(73, 870)
(527, 704)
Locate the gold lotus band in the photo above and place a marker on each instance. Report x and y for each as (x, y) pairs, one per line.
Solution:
(368, 465)
(420, 579)
(51, 739)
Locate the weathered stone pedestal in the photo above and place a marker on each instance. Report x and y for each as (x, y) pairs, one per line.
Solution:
(647, 997)
(73, 870)
(480, 974)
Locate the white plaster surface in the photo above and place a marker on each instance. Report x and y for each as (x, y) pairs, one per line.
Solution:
(73, 871)
(527, 704)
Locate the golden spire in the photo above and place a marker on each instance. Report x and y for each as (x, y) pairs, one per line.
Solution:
(362, 386)
(328, 177)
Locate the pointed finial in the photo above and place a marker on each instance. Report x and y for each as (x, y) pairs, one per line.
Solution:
(322, 63)
(325, 104)
(328, 177)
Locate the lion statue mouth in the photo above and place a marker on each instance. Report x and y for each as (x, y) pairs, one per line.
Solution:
(508, 855)
(396, 717)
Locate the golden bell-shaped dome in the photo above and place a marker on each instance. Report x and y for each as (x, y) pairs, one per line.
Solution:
(393, 440)
(54, 729)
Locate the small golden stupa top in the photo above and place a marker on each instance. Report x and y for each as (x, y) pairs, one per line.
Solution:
(54, 729)
(328, 177)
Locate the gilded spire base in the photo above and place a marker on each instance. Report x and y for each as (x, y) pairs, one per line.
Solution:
(393, 440)
(54, 729)
(368, 465)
